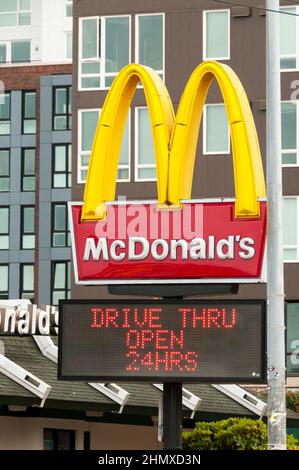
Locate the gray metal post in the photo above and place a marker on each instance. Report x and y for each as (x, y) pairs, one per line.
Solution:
(275, 286)
(172, 415)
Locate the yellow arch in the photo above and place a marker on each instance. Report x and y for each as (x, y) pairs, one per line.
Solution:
(174, 141)
(102, 169)
(247, 162)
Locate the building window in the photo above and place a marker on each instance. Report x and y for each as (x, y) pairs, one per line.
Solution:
(289, 133)
(69, 8)
(69, 45)
(292, 338)
(88, 120)
(216, 34)
(27, 282)
(59, 439)
(150, 41)
(15, 12)
(5, 114)
(29, 112)
(3, 53)
(15, 51)
(104, 49)
(20, 51)
(4, 228)
(86, 440)
(60, 226)
(3, 281)
(216, 137)
(4, 170)
(27, 225)
(290, 229)
(145, 167)
(28, 169)
(289, 27)
(62, 166)
(62, 118)
(61, 281)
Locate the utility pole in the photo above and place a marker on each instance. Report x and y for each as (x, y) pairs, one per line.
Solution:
(275, 285)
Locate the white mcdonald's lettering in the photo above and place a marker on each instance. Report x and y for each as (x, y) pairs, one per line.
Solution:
(139, 248)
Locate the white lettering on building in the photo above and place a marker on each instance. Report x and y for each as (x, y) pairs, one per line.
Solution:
(29, 320)
(139, 248)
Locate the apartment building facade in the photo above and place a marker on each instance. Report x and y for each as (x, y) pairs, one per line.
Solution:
(35, 148)
(173, 37)
(48, 115)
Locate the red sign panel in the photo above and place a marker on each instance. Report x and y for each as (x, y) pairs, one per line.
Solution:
(202, 242)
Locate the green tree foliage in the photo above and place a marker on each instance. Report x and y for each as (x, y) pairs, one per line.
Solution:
(292, 398)
(292, 401)
(230, 434)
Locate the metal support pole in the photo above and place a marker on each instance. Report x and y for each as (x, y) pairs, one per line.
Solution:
(275, 285)
(172, 415)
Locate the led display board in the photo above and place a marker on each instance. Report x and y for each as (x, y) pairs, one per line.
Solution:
(165, 340)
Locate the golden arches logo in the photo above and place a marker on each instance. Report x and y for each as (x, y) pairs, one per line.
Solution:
(175, 138)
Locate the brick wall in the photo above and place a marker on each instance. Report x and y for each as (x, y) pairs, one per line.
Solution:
(27, 77)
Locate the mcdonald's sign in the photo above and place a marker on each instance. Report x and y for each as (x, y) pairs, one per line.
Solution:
(174, 238)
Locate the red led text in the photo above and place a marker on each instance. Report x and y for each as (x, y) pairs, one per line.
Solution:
(155, 340)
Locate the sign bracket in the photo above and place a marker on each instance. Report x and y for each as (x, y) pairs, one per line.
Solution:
(172, 415)
(170, 291)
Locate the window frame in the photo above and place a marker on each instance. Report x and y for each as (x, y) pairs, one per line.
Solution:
(138, 166)
(23, 175)
(55, 432)
(2, 292)
(288, 56)
(17, 13)
(6, 234)
(68, 172)
(136, 51)
(292, 247)
(9, 119)
(101, 43)
(23, 233)
(80, 152)
(66, 232)
(204, 130)
(204, 34)
(10, 51)
(85, 152)
(68, 272)
(69, 3)
(67, 114)
(67, 35)
(24, 119)
(288, 353)
(6, 176)
(291, 165)
(8, 45)
(22, 291)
